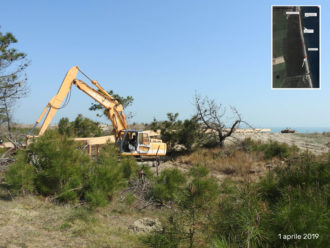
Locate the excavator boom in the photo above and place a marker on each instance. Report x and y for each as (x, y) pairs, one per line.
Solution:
(113, 107)
(131, 142)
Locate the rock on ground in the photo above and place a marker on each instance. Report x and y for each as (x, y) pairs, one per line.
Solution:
(146, 225)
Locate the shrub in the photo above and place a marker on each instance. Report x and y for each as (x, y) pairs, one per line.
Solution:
(194, 202)
(270, 150)
(249, 145)
(217, 243)
(129, 167)
(198, 171)
(269, 190)
(80, 127)
(20, 176)
(189, 132)
(84, 127)
(53, 167)
(302, 205)
(274, 149)
(60, 167)
(200, 193)
(176, 132)
(211, 142)
(107, 176)
(65, 127)
(238, 218)
(130, 199)
(167, 185)
(159, 240)
(291, 200)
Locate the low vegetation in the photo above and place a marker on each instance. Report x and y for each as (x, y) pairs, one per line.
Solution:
(271, 149)
(195, 208)
(194, 198)
(289, 200)
(52, 166)
(167, 187)
(242, 160)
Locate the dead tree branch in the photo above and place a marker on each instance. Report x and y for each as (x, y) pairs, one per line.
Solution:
(212, 118)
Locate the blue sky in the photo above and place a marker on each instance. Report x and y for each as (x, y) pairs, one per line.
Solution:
(161, 53)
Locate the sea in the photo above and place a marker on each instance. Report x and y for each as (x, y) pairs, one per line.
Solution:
(301, 129)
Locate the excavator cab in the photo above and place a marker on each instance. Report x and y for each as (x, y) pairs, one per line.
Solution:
(133, 142)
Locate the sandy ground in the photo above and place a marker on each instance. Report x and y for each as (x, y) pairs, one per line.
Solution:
(315, 143)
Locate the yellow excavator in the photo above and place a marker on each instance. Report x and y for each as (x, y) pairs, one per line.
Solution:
(130, 142)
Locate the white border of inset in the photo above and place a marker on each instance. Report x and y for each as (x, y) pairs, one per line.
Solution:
(271, 47)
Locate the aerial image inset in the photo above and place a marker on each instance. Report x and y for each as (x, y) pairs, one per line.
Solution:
(296, 47)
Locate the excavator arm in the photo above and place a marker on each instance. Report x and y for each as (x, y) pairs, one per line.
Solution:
(113, 107)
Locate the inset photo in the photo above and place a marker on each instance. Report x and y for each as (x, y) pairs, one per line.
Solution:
(296, 47)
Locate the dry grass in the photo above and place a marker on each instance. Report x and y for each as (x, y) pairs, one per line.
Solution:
(228, 162)
(32, 221)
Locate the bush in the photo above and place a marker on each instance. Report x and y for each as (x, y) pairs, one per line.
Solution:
(159, 240)
(80, 127)
(274, 149)
(20, 176)
(84, 127)
(238, 219)
(302, 204)
(53, 167)
(211, 142)
(188, 134)
(291, 200)
(129, 167)
(60, 167)
(249, 145)
(270, 150)
(195, 199)
(65, 127)
(108, 175)
(167, 186)
(130, 199)
(175, 132)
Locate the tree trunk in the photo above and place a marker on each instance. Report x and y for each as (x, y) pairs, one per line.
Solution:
(221, 140)
(7, 114)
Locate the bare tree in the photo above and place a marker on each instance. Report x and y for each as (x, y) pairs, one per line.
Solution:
(214, 119)
(13, 81)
